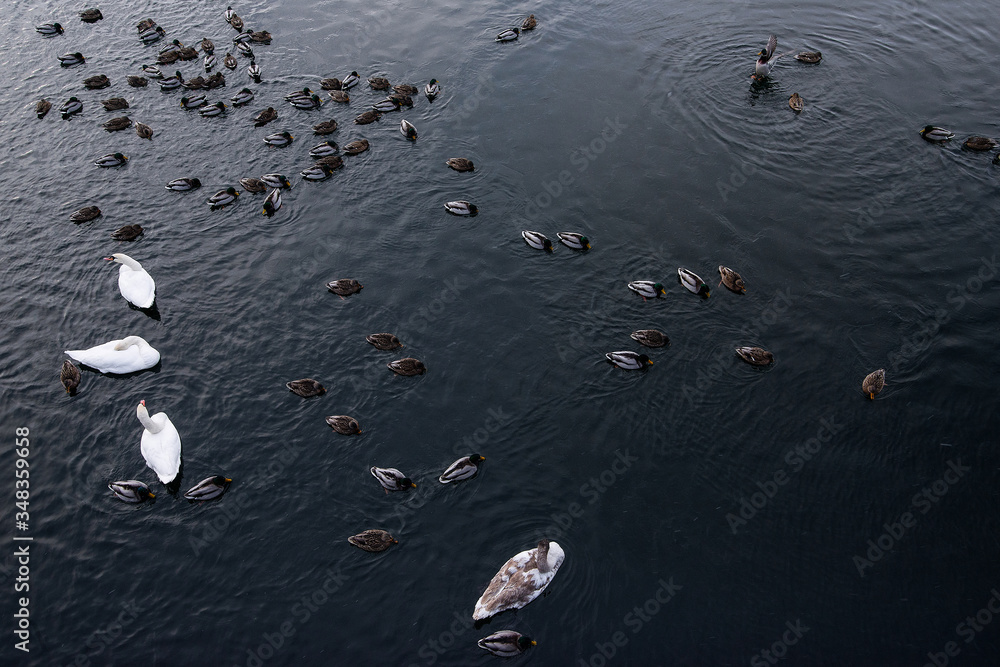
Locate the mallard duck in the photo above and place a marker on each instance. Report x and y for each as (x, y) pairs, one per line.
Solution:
(766, 59)
(197, 83)
(116, 124)
(810, 57)
(265, 117)
(91, 15)
(647, 289)
(152, 35)
(407, 366)
(506, 643)
(127, 233)
(172, 82)
(306, 387)
(111, 160)
(168, 58)
(755, 356)
(69, 375)
(207, 46)
(460, 164)
(630, 361)
(96, 82)
(650, 337)
(796, 103)
(131, 491)
(356, 146)
(344, 425)
(216, 80)
(172, 47)
(209, 63)
(137, 81)
(85, 214)
(536, 240)
(152, 71)
(373, 540)
(392, 480)
(326, 127)
(295, 94)
(128, 355)
(873, 383)
(145, 25)
(980, 143)
(115, 103)
(529, 23)
(317, 172)
(405, 89)
(508, 35)
(693, 283)
(996, 159)
(49, 29)
(216, 109)
(272, 203)
(732, 280)
(236, 22)
(350, 81)
(70, 107)
(323, 149)
(384, 341)
(229, 14)
(574, 240)
(400, 100)
(184, 184)
(134, 283)
(407, 130)
(42, 107)
(245, 96)
(279, 139)
(276, 181)
(340, 96)
(194, 101)
(253, 69)
(70, 59)
(344, 287)
(143, 131)
(378, 83)
(188, 53)
(520, 580)
(432, 89)
(934, 133)
(253, 185)
(260, 36)
(461, 207)
(331, 161)
(311, 102)
(229, 61)
(241, 38)
(223, 198)
(464, 468)
(209, 488)
(367, 117)
(330, 84)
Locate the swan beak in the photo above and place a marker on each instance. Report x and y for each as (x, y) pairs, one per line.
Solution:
(142, 402)
(109, 259)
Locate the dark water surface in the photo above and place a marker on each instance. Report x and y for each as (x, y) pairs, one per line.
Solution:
(862, 247)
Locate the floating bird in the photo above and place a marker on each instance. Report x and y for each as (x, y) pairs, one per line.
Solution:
(253, 185)
(137, 81)
(96, 82)
(356, 146)
(209, 62)
(85, 214)
(373, 540)
(306, 103)
(508, 35)
(152, 35)
(131, 491)
(172, 47)
(630, 361)
(127, 233)
(647, 289)
(111, 160)
(755, 356)
(241, 38)
(69, 376)
(253, 69)
(260, 36)
(115, 103)
(317, 172)
(461, 164)
(49, 29)
(152, 71)
(537, 240)
(70, 59)
(650, 337)
(461, 207)
(209, 488)
(407, 130)
(172, 82)
(229, 14)
(574, 240)
(344, 286)
(197, 83)
(306, 387)
(143, 131)
(42, 107)
(207, 46)
(520, 580)
(229, 61)
(223, 198)
(330, 84)
(127, 355)
(276, 181)
(168, 58)
(344, 425)
(326, 127)
(692, 282)
(304, 93)
(462, 469)
(367, 117)
(116, 124)
(135, 284)
(236, 22)
(340, 96)
(331, 161)
(980, 143)
(272, 203)
(91, 15)
(392, 480)
(378, 83)
(406, 89)
(160, 444)
(323, 149)
(796, 102)
(245, 96)
(810, 57)
(384, 341)
(934, 133)
(732, 280)
(766, 59)
(407, 366)
(216, 80)
(211, 110)
(194, 101)
(506, 643)
(873, 383)
(350, 81)
(184, 184)
(529, 23)
(432, 89)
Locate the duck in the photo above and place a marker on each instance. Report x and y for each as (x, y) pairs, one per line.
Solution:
(115, 104)
(116, 124)
(216, 80)
(766, 59)
(344, 286)
(810, 57)
(125, 355)
(242, 37)
(137, 81)
(379, 83)
(317, 172)
(979, 143)
(464, 468)
(537, 240)
(461, 164)
(306, 387)
(184, 184)
(344, 425)
(236, 22)
(160, 444)
(172, 82)
(207, 46)
(42, 107)
(630, 361)
(152, 71)
(253, 69)
(873, 383)
(407, 130)
(732, 280)
(326, 127)
(401, 100)
(197, 83)
(935, 134)
(574, 240)
(506, 643)
(432, 89)
(276, 181)
(693, 283)
(245, 96)
(650, 337)
(96, 82)
(135, 284)
(323, 149)
(127, 233)
(755, 356)
(529, 23)
(143, 131)
(461, 207)
(223, 198)
(331, 84)
(508, 35)
(209, 488)
(340, 96)
(229, 14)
(796, 103)
(85, 214)
(131, 491)
(253, 185)
(194, 101)
(70, 107)
(70, 59)
(392, 479)
(350, 81)
(211, 110)
(229, 61)
(407, 366)
(272, 203)
(304, 93)
(520, 580)
(111, 160)
(259, 36)
(373, 540)
(405, 89)
(306, 103)
(92, 15)
(168, 58)
(367, 117)
(188, 53)
(209, 63)
(49, 29)
(355, 147)
(647, 289)
(172, 47)
(384, 341)
(152, 35)
(69, 376)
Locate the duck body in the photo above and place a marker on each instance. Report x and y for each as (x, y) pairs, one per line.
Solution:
(537, 240)
(630, 361)
(212, 110)
(936, 134)
(42, 107)
(229, 61)
(407, 366)
(406, 89)
(373, 540)
(306, 387)
(207, 46)
(127, 355)
(529, 23)
(650, 337)
(135, 284)
(253, 70)
(464, 468)
(276, 181)
(355, 147)
(70, 107)
(340, 96)
(693, 283)
(331, 84)
(384, 341)
(367, 117)
(350, 81)
(506, 643)
(873, 383)
(307, 103)
(69, 376)
(344, 424)
(91, 15)
(732, 280)
(766, 59)
(461, 207)
(272, 203)
(326, 127)
(111, 160)
(253, 185)
(183, 184)
(116, 124)
(160, 444)
(323, 149)
(49, 29)
(344, 286)
(209, 63)
(392, 479)
(131, 491)
(85, 214)
(127, 233)
(980, 143)
(137, 81)
(209, 488)
(96, 82)
(461, 164)
(223, 198)
(574, 240)
(809, 57)
(317, 172)
(647, 289)
(378, 83)
(508, 35)
(245, 96)
(172, 82)
(432, 89)
(796, 103)
(520, 580)
(70, 59)
(386, 106)
(755, 356)
(115, 103)
(194, 101)
(407, 129)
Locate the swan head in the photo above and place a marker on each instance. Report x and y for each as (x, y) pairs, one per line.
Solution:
(140, 410)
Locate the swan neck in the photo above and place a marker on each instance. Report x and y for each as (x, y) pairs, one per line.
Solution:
(542, 557)
(125, 260)
(129, 341)
(146, 420)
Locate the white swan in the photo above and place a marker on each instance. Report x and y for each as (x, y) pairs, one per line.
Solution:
(127, 355)
(520, 580)
(161, 444)
(135, 284)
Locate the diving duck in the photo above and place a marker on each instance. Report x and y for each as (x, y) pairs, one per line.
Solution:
(306, 387)
(461, 207)
(384, 341)
(116, 124)
(323, 149)
(520, 580)
(574, 240)
(279, 139)
(508, 35)
(306, 103)
(223, 198)
(344, 425)
(630, 361)
(350, 81)
(229, 61)
(464, 468)
(536, 240)
(326, 127)
(340, 96)
(934, 133)
(647, 289)
(184, 184)
(755, 356)
(194, 101)
(131, 491)
(432, 89)
(85, 214)
(693, 283)
(367, 117)
(980, 143)
(407, 130)
(732, 280)
(96, 82)
(253, 69)
(461, 164)
(135, 284)
(356, 146)
(137, 81)
(405, 89)
(42, 107)
(407, 366)
(69, 376)
(766, 59)
(330, 84)
(392, 479)
(796, 103)
(506, 643)
(160, 444)
(650, 337)
(373, 540)
(49, 29)
(810, 57)
(245, 96)
(115, 103)
(344, 287)
(253, 185)
(70, 59)
(111, 160)
(317, 172)
(276, 181)
(530, 23)
(272, 203)
(209, 488)
(127, 233)
(378, 83)
(91, 15)
(873, 383)
(211, 110)
(126, 355)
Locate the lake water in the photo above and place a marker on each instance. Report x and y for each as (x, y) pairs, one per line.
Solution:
(710, 511)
